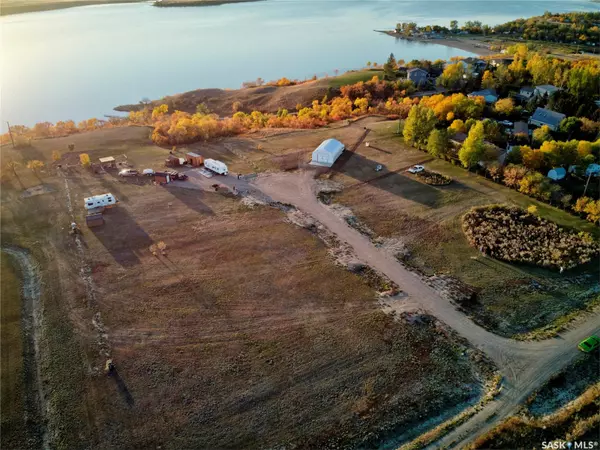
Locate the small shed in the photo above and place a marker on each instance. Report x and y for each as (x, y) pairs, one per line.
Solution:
(557, 173)
(327, 153)
(172, 161)
(94, 220)
(162, 178)
(194, 159)
(108, 161)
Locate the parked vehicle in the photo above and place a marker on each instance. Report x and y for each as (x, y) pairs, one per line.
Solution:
(148, 172)
(416, 169)
(216, 166)
(590, 344)
(128, 173)
(100, 201)
(506, 123)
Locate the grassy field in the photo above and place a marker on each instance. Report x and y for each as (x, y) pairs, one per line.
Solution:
(243, 334)
(511, 299)
(13, 429)
(354, 77)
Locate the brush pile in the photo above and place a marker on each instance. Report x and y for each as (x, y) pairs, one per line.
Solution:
(512, 234)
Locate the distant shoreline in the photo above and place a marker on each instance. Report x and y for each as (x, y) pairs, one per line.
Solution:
(466, 44)
(18, 7)
(185, 3)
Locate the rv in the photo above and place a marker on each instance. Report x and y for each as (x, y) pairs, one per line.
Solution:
(100, 201)
(216, 166)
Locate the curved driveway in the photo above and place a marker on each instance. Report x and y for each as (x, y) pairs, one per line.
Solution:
(524, 365)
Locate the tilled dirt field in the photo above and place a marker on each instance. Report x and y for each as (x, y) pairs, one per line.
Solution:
(245, 334)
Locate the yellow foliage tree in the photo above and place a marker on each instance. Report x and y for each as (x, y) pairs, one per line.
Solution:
(55, 155)
(85, 160)
(505, 106)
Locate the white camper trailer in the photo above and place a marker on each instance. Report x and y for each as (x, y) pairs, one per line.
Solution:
(100, 201)
(216, 166)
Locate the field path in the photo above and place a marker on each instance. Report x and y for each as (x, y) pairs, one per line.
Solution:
(35, 399)
(524, 365)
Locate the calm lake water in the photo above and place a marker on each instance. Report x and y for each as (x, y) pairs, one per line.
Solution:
(81, 62)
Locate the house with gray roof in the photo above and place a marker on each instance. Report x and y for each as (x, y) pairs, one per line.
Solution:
(545, 90)
(543, 116)
(417, 75)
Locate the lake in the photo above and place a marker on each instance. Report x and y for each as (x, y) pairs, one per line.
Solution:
(81, 62)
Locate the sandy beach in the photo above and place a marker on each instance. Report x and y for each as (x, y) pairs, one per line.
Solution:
(462, 43)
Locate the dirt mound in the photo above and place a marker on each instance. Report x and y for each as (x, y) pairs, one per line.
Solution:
(262, 98)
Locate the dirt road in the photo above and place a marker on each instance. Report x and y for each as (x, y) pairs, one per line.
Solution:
(524, 365)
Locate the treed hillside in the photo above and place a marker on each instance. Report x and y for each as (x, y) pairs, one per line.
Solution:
(566, 27)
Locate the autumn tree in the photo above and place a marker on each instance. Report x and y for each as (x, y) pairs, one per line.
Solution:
(532, 159)
(541, 135)
(202, 109)
(513, 174)
(159, 111)
(55, 155)
(505, 106)
(437, 144)
(536, 185)
(35, 166)
(236, 106)
(488, 81)
(457, 126)
(419, 124)
(84, 158)
(452, 76)
(13, 165)
(473, 148)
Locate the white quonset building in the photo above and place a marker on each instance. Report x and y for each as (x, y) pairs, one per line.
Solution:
(327, 153)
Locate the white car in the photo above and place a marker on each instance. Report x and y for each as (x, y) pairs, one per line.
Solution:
(416, 169)
(128, 173)
(148, 172)
(506, 123)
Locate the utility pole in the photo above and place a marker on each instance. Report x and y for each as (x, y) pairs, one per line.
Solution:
(10, 134)
(586, 184)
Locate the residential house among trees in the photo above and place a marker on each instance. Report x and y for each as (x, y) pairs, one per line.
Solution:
(526, 93)
(543, 116)
(545, 90)
(417, 76)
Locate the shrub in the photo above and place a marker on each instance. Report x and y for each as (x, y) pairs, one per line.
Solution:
(434, 178)
(514, 235)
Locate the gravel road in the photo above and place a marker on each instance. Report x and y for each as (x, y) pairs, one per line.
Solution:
(524, 365)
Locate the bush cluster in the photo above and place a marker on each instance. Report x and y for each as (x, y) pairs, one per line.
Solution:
(434, 178)
(514, 235)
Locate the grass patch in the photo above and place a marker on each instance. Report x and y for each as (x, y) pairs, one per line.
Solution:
(512, 299)
(13, 428)
(570, 423)
(354, 77)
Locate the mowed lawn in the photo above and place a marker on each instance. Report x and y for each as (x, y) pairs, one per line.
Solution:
(513, 299)
(245, 334)
(13, 429)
